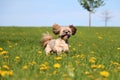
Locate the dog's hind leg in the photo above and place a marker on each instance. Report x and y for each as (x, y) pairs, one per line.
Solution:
(47, 50)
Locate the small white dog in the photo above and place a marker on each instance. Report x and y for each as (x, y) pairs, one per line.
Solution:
(60, 44)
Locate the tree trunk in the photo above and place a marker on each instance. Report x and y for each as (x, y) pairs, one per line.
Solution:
(105, 22)
(89, 19)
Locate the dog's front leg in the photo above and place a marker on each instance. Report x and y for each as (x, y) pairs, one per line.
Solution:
(57, 50)
(66, 49)
(47, 49)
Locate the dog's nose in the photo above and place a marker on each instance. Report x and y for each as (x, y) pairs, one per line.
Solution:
(66, 32)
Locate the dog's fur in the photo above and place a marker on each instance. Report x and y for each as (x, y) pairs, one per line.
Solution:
(60, 44)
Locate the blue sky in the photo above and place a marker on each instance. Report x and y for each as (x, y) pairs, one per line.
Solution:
(48, 12)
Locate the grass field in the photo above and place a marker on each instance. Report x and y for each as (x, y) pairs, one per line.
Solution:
(94, 55)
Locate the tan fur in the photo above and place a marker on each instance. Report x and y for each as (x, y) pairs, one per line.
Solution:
(46, 37)
(56, 29)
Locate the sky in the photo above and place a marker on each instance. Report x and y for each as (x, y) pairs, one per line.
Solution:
(48, 12)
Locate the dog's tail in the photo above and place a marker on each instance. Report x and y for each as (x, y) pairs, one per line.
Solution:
(46, 37)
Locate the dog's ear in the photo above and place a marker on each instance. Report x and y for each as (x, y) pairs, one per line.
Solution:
(56, 29)
(73, 29)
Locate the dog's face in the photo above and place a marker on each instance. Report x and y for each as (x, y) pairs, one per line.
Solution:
(64, 32)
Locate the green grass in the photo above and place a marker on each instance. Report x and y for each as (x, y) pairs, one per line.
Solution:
(92, 51)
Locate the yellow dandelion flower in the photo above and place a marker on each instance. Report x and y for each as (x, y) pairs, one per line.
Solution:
(67, 78)
(39, 52)
(6, 67)
(10, 46)
(57, 65)
(4, 52)
(93, 66)
(87, 73)
(25, 67)
(118, 48)
(17, 58)
(115, 63)
(1, 49)
(58, 58)
(2, 73)
(74, 49)
(104, 73)
(32, 63)
(43, 67)
(100, 37)
(92, 60)
(5, 73)
(82, 56)
(101, 66)
(10, 73)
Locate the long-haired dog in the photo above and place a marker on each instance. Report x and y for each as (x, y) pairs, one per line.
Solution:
(61, 43)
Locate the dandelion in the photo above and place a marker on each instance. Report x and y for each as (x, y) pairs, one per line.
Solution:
(57, 65)
(82, 56)
(10, 46)
(115, 63)
(6, 67)
(6, 73)
(32, 63)
(74, 49)
(100, 37)
(1, 49)
(67, 78)
(39, 52)
(43, 67)
(17, 58)
(58, 58)
(118, 48)
(10, 73)
(93, 66)
(87, 73)
(104, 73)
(92, 60)
(101, 66)
(25, 67)
(4, 52)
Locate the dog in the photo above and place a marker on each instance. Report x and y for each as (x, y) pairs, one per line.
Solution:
(60, 44)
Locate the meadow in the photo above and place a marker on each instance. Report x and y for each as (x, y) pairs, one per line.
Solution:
(94, 55)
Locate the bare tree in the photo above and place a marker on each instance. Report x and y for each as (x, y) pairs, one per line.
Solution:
(106, 16)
